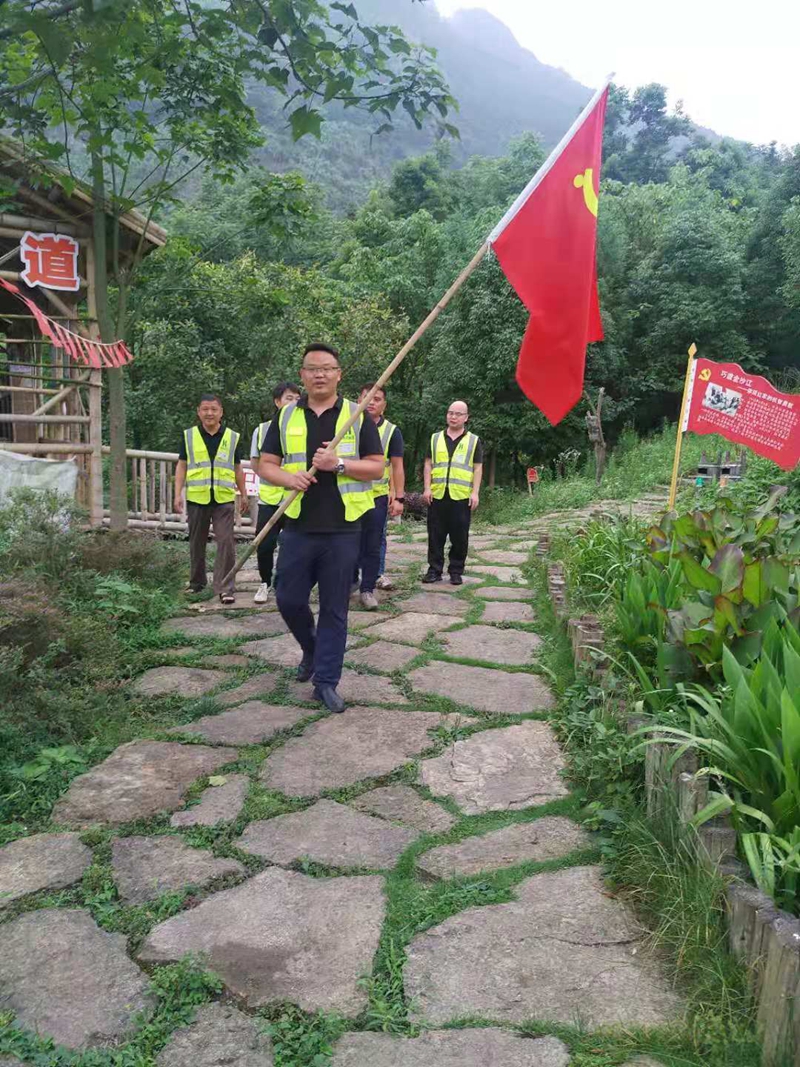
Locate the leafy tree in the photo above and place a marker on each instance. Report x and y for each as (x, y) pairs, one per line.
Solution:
(138, 94)
(641, 131)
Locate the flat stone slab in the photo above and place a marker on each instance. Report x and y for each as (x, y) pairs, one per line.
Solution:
(445, 587)
(43, 861)
(503, 574)
(499, 770)
(363, 620)
(139, 779)
(221, 626)
(508, 612)
(229, 659)
(564, 951)
(435, 604)
(219, 1036)
(283, 936)
(498, 592)
(283, 651)
(146, 867)
(484, 688)
(66, 978)
(355, 688)
(450, 1048)
(258, 686)
(505, 557)
(181, 681)
(515, 648)
(247, 724)
(343, 749)
(401, 803)
(383, 656)
(244, 606)
(328, 833)
(218, 804)
(548, 838)
(413, 627)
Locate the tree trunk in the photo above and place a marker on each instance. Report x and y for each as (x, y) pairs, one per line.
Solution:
(118, 497)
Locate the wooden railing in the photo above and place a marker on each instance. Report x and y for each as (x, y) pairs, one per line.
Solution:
(151, 495)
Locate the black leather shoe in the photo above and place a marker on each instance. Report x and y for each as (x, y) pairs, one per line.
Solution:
(327, 695)
(456, 579)
(305, 672)
(431, 577)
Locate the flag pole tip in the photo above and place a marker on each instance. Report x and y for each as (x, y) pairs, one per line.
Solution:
(692, 349)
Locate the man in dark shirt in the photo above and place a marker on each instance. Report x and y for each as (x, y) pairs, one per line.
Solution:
(389, 500)
(452, 484)
(322, 535)
(210, 467)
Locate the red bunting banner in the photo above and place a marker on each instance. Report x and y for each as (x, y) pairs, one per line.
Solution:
(746, 409)
(95, 354)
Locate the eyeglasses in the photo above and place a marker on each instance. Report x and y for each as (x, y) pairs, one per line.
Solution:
(321, 370)
(462, 414)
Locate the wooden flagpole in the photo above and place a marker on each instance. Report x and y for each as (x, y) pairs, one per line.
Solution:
(384, 378)
(673, 489)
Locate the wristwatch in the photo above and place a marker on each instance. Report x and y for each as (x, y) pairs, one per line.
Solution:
(339, 468)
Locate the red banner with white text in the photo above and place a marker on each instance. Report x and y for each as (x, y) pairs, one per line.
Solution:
(746, 409)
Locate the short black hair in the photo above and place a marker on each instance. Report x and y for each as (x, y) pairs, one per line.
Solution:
(371, 385)
(208, 398)
(320, 346)
(285, 387)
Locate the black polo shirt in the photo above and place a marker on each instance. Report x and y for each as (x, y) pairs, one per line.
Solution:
(322, 507)
(212, 442)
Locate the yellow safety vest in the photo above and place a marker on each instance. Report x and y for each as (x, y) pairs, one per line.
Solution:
(386, 430)
(199, 470)
(356, 496)
(267, 494)
(454, 474)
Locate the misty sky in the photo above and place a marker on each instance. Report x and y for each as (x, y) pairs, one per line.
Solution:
(734, 65)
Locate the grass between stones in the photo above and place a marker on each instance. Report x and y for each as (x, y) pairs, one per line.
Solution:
(716, 1034)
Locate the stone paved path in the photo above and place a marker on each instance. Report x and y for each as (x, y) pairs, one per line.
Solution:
(283, 824)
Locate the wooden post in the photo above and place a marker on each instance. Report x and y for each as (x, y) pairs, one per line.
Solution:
(143, 487)
(163, 487)
(676, 466)
(95, 402)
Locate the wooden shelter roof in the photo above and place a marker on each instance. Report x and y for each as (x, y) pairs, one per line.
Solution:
(53, 194)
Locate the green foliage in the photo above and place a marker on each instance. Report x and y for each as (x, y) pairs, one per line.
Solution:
(37, 530)
(738, 574)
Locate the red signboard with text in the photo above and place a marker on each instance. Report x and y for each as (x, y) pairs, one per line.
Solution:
(745, 409)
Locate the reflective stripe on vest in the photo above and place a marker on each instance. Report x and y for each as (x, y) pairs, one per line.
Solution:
(385, 431)
(452, 473)
(267, 494)
(357, 497)
(201, 474)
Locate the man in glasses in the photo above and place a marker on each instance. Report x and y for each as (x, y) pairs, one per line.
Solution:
(322, 535)
(452, 483)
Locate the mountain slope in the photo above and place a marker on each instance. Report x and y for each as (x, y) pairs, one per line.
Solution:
(502, 88)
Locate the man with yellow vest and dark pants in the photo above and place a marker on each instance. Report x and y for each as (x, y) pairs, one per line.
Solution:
(210, 467)
(322, 535)
(452, 484)
(387, 501)
(269, 496)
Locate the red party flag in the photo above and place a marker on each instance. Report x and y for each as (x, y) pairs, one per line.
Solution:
(546, 244)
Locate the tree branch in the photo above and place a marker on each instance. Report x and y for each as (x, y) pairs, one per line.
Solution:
(52, 13)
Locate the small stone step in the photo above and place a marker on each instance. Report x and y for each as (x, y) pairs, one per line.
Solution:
(218, 804)
(248, 724)
(499, 770)
(548, 838)
(484, 688)
(219, 1036)
(42, 861)
(507, 612)
(450, 1048)
(221, 626)
(499, 592)
(434, 604)
(328, 833)
(181, 681)
(257, 686)
(513, 648)
(382, 656)
(413, 627)
(354, 688)
(401, 803)
(146, 867)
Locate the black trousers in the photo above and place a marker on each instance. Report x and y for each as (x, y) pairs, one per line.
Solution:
(265, 553)
(448, 518)
(373, 524)
(326, 560)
